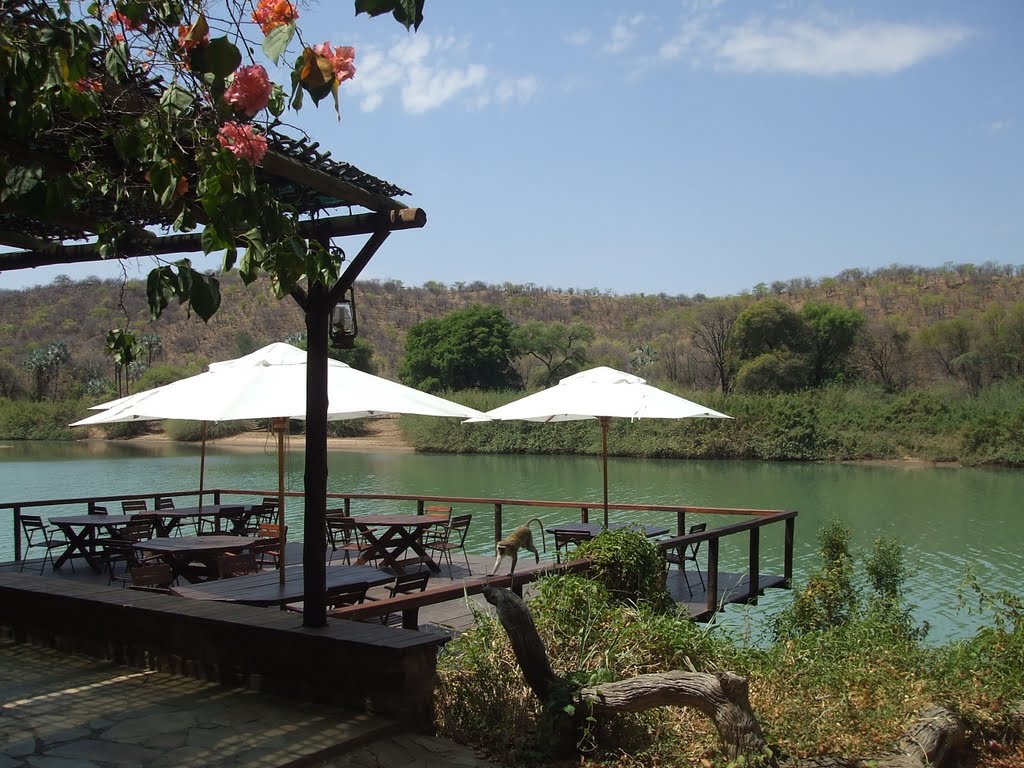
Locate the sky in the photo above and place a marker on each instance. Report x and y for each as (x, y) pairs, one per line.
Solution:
(702, 146)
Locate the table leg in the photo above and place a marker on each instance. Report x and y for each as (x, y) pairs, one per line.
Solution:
(80, 542)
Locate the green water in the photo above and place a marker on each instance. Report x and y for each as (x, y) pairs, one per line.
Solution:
(951, 520)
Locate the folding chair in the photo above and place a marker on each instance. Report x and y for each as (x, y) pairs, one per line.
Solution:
(157, 577)
(688, 553)
(405, 584)
(450, 537)
(39, 536)
(229, 565)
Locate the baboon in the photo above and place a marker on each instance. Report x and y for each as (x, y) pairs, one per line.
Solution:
(520, 538)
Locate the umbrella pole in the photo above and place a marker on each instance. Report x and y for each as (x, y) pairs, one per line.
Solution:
(280, 425)
(202, 462)
(604, 464)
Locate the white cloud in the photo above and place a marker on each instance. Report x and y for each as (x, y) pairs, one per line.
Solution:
(998, 126)
(429, 71)
(803, 47)
(623, 33)
(578, 38)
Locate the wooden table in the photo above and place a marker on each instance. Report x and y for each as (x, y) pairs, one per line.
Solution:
(169, 519)
(401, 534)
(592, 529)
(80, 531)
(183, 552)
(264, 589)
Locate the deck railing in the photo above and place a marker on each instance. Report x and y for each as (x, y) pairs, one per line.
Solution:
(760, 518)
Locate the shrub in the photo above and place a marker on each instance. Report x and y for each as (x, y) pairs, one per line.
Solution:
(630, 567)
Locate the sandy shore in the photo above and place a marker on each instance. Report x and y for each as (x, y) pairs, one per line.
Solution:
(384, 436)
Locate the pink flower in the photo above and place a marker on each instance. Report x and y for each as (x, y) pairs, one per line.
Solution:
(119, 19)
(342, 60)
(242, 141)
(270, 14)
(249, 90)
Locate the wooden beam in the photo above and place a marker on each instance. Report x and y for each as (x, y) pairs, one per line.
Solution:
(301, 174)
(152, 245)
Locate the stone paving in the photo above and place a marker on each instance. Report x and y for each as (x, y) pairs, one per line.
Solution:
(64, 711)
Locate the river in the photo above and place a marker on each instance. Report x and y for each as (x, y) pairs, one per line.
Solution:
(952, 521)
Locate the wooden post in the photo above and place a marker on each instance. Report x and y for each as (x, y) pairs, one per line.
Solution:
(712, 595)
(280, 425)
(584, 514)
(419, 506)
(787, 568)
(604, 464)
(498, 535)
(17, 534)
(202, 463)
(348, 506)
(680, 522)
(318, 318)
(753, 568)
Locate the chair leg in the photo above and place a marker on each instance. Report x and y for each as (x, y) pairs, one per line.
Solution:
(686, 579)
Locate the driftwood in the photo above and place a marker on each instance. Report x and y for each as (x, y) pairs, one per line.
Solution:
(721, 696)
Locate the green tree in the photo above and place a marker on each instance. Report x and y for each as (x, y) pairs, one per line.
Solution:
(769, 325)
(833, 334)
(712, 331)
(467, 349)
(953, 346)
(779, 371)
(560, 348)
(152, 346)
(359, 357)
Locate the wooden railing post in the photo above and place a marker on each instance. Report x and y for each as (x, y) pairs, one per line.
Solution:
(17, 534)
(216, 497)
(787, 569)
(348, 506)
(419, 506)
(712, 596)
(680, 522)
(498, 535)
(754, 570)
(584, 514)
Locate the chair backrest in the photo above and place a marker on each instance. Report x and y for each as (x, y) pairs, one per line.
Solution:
(270, 504)
(458, 527)
(236, 565)
(697, 528)
(339, 530)
(133, 505)
(31, 525)
(438, 509)
(157, 576)
(407, 583)
(165, 502)
(97, 509)
(136, 529)
(349, 594)
(270, 531)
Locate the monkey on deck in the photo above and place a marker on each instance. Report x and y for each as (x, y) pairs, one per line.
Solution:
(520, 538)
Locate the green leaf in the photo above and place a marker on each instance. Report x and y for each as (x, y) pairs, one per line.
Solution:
(212, 240)
(164, 182)
(175, 100)
(161, 285)
(117, 62)
(220, 58)
(277, 40)
(21, 180)
(407, 12)
(230, 257)
(204, 297)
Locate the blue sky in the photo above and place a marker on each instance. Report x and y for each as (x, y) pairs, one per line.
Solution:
(679, 147)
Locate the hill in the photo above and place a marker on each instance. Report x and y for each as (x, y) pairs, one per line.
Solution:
(651, 332)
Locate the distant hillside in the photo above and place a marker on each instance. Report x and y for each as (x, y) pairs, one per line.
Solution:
(629, 328)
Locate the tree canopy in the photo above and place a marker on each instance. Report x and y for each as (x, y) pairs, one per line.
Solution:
(466, 349)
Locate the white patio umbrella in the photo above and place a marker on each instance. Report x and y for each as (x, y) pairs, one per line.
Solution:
(603, 394)
(270, 383)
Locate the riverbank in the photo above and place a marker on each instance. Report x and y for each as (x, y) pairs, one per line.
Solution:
(382, 436)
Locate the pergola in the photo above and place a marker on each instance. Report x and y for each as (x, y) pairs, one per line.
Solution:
(312, 185)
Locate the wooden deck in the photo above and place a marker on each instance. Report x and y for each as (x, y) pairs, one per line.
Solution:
(456, 616)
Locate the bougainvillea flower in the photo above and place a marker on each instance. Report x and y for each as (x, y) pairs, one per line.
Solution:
(88, 84)
(242, 141)
(190, 37)
(249, 90)
(121, 20)
(270, 14)
(342, 60)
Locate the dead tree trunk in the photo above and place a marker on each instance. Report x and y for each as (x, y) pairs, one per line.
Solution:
(721, 696)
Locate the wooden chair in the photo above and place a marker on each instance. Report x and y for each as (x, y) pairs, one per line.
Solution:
(39, 536)
(143, 523)
(215, 526)
(229, 565)
(449, 538)
(438, 509)
(133, 505)
(156, 577)
(564, 540)
(688, 553)
(120, 550)
(343, 536)
(350, 594)
(97, 509)
(268, 544)
(405, 584)
(165, 502)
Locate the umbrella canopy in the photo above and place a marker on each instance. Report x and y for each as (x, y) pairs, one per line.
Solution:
(603, 394)
(270, 383)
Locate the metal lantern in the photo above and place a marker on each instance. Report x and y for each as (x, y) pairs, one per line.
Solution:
(343, 322)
